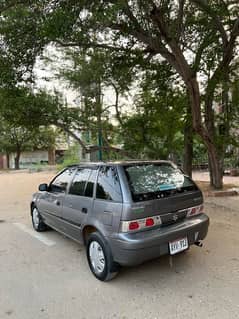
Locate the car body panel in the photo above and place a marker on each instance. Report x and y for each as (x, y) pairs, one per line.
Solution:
(75, 214)
(133, 249)
(50, 207)
(162, 206)
(109, 215)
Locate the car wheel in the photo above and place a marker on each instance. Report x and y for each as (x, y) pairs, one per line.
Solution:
(37, 221)
(100, 258)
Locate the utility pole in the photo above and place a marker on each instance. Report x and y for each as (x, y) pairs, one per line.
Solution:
(99, 121)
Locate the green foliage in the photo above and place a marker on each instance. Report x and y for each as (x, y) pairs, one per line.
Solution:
(22, 130)
(114, 42)
(154, 133)
(17, 138)
(29, 109)
(156, 129)
(71, 157)
(21, 38)
(200, 158)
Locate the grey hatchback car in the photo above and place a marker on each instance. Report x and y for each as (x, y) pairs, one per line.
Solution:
(124, 212)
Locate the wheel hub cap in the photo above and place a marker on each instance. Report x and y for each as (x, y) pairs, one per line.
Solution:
(97, 257)
(35, 217)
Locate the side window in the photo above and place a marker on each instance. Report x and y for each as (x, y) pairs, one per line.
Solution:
(60, 183)
(90, 184)
(79, 182)
(108, 186)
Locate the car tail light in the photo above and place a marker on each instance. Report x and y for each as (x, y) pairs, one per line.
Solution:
(140, 224)
(133, 225)
(149, 222)
(192, 211)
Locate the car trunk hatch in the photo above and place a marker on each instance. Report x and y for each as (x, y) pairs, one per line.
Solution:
(166, 208)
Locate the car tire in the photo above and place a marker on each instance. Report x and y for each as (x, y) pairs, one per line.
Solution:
(100, 258)
(37, 221)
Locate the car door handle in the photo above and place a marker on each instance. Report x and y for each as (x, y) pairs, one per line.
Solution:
(84, 210)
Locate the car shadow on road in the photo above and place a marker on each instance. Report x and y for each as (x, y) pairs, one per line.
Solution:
(164, 267)
(157, 271)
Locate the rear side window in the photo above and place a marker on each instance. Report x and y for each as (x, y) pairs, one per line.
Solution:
(89, 190)
(108, 185)
(79, 182)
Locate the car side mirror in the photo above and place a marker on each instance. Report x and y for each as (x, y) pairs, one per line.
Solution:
(43, 187)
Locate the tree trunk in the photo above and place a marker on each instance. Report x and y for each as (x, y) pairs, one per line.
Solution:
(8, 160)
(214, 158)
(210, 170)
(188, 144)
(17, 160)
(188, 151)
(216, 171)
(51, 156)
(215, 166)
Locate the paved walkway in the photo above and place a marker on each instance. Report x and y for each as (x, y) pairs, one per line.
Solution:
(43, 281)
(225, 202)
(204, 176)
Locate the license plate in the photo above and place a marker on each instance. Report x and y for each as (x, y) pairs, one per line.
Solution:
(178, 245)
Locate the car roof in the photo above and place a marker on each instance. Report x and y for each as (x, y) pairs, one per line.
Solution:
(121, 163)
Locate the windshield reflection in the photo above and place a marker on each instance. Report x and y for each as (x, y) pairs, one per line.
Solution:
(154, 180)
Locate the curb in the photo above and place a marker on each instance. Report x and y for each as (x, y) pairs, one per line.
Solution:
(230, 192)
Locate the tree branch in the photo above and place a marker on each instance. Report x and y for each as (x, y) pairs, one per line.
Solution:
(176, 58)
(132, 18)
(180, 19)
(72, 134)
(205, 7)
(221, 70)
(10, 4)
(117, 103)
(227, 54)
(94, 45)
(199, 53)
(107, 148)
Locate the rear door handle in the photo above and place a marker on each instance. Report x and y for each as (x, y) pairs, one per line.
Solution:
(84, 210)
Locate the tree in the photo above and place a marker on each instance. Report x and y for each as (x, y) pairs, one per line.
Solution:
(90, 75)
(32, 110)
(163, 101)
(16, 139)
(149, 132)
(21, 40)
(186, 34)
(183, 33)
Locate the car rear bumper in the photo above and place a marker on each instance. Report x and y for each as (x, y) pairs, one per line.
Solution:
(130, 249)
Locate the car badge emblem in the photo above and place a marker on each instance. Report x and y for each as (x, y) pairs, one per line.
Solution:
(175, 218)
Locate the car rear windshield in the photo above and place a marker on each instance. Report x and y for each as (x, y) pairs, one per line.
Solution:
(157, 180)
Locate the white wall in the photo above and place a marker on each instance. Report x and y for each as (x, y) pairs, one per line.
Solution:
(28, 158)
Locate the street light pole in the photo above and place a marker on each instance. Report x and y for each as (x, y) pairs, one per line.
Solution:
(99, 122)
(100, 145)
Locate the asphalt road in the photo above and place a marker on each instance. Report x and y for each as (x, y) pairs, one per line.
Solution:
(48, 276)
